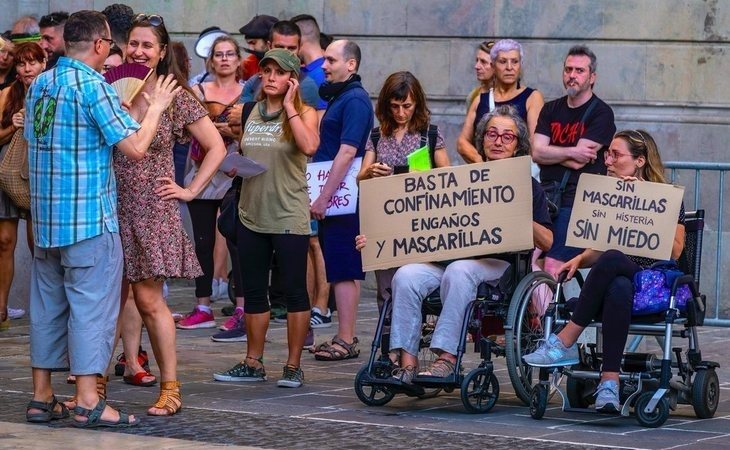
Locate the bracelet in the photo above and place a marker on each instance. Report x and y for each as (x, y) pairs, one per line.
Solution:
(295, 115)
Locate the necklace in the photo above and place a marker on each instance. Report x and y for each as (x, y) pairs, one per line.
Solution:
(266, 117)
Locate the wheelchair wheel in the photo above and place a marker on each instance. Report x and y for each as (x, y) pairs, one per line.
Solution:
(371, 395)
(538, 401)
(580, 392)
(525, 331)
(479, 390)
(231, 288)
(705, 393)
(655, 418)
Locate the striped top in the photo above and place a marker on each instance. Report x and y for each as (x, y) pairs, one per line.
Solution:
(73, 119)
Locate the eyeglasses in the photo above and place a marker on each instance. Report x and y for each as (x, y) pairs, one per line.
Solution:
(614, 155)
(506, 137)
(153, 19)
(221, 55)
(108, 41)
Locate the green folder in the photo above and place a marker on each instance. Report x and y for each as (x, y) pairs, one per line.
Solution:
(419, 160)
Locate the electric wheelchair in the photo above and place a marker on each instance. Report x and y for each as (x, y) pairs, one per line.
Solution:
(503, 309)
(651, 384)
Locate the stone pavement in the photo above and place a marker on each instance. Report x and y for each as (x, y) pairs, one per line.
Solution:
(325, 413)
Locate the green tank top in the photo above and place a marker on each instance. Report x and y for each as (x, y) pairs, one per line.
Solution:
(275, 201)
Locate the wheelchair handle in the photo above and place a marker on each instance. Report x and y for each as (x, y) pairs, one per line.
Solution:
(562, 276)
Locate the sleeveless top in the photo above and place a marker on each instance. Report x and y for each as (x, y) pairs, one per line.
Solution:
(519, 102)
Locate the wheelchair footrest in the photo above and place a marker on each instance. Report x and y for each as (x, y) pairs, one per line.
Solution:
(437, 382)
(398, 387)
(592, 411)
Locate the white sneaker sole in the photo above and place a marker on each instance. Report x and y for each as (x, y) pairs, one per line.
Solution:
(221, 377)
(288, 384)
(320, 325)
(210, 324)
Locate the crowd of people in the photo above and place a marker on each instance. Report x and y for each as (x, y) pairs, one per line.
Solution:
(112, 184)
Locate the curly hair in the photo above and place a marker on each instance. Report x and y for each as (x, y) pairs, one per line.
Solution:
(25, 52)
(509, 112)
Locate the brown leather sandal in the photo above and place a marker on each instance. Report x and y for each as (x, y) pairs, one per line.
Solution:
(100, 389)
(170, 399)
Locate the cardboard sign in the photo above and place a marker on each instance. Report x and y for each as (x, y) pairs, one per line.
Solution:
(344, 200)
(447, 213)
(638, 218)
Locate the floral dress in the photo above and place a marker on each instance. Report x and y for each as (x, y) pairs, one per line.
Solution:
(154, 241)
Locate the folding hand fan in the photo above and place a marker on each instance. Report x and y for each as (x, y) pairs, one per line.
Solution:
(127, 79)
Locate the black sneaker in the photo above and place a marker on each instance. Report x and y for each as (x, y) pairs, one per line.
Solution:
(293, 377)
(241, 372)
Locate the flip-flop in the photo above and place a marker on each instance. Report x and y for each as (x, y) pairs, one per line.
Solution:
(138, 379)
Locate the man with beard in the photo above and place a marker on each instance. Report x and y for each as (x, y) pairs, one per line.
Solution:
(571, 137)
(52, 36)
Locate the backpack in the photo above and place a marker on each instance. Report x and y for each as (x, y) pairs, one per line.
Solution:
(429, 136)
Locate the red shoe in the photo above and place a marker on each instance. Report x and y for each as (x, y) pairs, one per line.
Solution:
(121, 364)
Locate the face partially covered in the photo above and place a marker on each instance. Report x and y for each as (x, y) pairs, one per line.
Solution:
(500, 138)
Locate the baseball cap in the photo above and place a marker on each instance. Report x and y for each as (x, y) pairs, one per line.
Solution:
(259, 27)
(284, 58)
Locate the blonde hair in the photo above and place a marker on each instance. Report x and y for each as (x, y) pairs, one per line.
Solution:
(640, 143)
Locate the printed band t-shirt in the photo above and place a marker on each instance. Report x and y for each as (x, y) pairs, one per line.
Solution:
(564, 127)
(275, 201)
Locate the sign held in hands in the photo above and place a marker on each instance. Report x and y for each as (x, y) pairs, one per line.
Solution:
(638, 218)
(344, 200)
(447, 213)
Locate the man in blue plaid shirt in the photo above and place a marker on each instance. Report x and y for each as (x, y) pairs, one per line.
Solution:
(73, 121)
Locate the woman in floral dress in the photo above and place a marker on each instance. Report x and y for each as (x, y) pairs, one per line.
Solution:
(155, 245)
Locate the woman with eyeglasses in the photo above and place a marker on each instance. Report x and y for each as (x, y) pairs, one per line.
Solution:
(507, 57)
(484, 72)
(608, 292)
(218, 96)
(29, 62)
(500, 134)
(155, 245)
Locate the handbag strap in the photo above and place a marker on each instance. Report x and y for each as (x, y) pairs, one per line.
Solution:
(583, 118)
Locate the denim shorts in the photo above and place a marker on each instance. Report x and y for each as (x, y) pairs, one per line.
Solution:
(559, 250)
(74, 304)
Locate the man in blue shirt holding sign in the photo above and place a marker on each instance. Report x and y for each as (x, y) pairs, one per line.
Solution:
(344, 131)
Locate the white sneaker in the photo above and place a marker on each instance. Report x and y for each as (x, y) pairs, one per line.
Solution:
(15, 313)
(214, 290)
(222, 290)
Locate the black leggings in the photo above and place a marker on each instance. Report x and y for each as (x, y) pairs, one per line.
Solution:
(607, 295)
(254, 254)
(204, 215)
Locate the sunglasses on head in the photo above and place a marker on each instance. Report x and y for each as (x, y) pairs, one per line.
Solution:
(153, 19)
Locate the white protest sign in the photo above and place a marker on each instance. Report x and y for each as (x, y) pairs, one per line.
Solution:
(344, 200)
(638, 218)
(447, 213)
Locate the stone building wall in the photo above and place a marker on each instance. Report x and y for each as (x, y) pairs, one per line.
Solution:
(662, 64)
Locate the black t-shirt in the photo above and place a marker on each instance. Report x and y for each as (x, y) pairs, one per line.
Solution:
(564, 126)
(540, 213)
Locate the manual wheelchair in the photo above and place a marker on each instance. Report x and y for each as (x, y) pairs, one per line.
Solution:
(651, 385)
(505, 308)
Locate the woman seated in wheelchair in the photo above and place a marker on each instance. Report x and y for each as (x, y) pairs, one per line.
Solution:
(503, 134)
(608, 292)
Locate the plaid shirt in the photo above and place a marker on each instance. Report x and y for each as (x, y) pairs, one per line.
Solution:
(73, 119)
